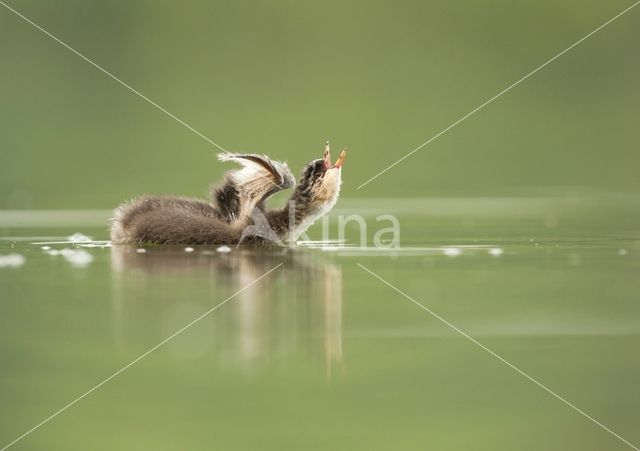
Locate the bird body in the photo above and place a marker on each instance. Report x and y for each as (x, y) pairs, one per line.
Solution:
(236, 212)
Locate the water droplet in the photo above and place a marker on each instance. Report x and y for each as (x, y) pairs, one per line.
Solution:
(11, 260)
(496, 251)
(452, 251)
(79, 238)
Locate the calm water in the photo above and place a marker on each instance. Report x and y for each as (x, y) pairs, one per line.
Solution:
(319, 354)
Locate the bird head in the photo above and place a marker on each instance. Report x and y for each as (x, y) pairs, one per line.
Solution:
(319, 184)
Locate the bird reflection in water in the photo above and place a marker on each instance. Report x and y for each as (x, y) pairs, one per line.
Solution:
(292, 313)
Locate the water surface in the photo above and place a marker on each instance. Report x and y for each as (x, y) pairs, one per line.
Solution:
(319, 354)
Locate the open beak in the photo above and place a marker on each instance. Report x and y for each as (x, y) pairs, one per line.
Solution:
(340, 159)
(327, 158)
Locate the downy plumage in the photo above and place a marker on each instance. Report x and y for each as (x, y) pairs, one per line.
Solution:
(236, 212)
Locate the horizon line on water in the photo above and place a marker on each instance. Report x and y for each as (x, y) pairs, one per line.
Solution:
(481, 206)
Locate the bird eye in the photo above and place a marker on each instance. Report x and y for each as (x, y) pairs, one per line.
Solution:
(313, 173)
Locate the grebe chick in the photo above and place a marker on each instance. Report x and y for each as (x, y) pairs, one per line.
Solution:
(236, 212)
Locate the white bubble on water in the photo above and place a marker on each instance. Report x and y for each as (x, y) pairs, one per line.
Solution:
(224, 249)
(77, 257)
(189, 249)
(12, 260)
(452, 251)
(79, 238)
(496, 251)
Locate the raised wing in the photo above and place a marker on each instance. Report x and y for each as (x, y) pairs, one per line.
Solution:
(248, 187)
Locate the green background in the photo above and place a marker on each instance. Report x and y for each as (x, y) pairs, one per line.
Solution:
(281, 77)
(321, 354)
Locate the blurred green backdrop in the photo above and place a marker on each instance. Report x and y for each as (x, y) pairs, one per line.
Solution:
(280, 77)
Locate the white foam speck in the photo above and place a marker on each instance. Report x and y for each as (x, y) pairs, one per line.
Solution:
(496, 251)
(188, 249)
(79, 238)
(452, 251)
(330, 248)
(45, 248)
(224, 249)
(77, 257)
(12, 260)
(141, 250)
(96, 244)
(622, 252)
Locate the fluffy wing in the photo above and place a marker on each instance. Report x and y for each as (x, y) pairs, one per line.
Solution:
(248, 187)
